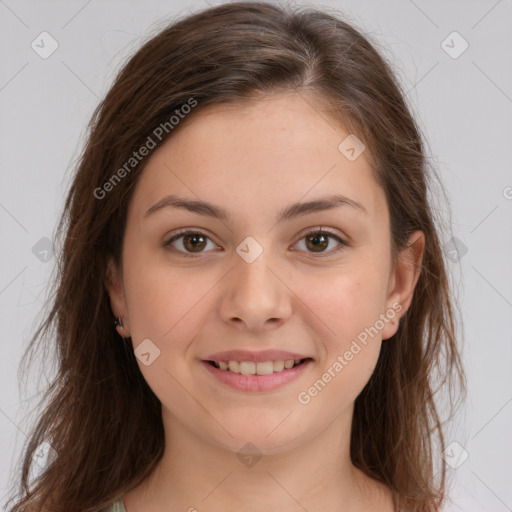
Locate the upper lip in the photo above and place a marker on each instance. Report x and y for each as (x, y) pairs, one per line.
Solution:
(256, 356)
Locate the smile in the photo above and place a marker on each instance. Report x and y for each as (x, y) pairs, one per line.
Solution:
(257, 368)
(251, 376)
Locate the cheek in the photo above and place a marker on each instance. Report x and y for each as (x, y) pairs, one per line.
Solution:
(347, 312)
(167, 303)
(351, 347)
(168, 307)
(160, 304)
(345, 305)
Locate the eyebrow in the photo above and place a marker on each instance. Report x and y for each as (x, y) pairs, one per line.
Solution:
(288, 213)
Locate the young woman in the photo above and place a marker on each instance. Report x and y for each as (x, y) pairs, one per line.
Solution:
(252, 306)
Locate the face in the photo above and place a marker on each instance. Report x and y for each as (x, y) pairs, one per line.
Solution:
(258, 278)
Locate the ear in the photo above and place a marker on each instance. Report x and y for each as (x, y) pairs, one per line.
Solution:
(115, 290)
(403, 281)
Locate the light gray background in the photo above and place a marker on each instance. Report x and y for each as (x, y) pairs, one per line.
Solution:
(463, 104)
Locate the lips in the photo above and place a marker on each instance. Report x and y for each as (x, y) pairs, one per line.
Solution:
(257, 383)
(256, 356)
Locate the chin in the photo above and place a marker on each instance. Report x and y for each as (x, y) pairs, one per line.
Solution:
(257, 442)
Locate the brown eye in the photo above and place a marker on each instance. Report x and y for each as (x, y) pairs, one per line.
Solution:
(318, 241)
(191, 242)
(195, 242)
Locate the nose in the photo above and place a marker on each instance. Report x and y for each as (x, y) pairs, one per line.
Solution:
(255, 296)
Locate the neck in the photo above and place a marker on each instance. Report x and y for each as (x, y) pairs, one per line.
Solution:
(314, 474)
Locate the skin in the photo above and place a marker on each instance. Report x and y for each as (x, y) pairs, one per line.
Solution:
(254, 161)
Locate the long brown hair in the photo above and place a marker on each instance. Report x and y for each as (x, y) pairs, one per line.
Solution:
(99, 406)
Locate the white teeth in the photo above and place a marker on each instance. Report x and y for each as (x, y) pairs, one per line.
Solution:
(247, 367)
(278, 366)
(265, 368)
(260, 368)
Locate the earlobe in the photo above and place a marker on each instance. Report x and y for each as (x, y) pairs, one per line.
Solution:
(403, 281)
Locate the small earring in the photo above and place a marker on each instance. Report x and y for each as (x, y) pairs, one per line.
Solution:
(119, 326)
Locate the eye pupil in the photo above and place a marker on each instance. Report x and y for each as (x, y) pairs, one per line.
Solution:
(193, 238)
(318, 241)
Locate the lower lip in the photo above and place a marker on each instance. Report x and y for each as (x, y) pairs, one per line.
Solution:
(254, 383)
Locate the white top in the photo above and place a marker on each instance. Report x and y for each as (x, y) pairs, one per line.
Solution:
(118, 506)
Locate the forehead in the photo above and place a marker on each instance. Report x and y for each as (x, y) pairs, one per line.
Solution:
(273, 151)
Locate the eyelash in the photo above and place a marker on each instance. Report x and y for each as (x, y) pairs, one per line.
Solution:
(317, 232)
